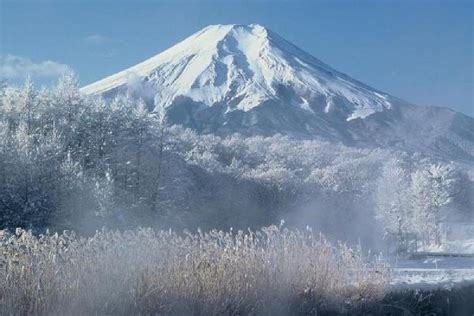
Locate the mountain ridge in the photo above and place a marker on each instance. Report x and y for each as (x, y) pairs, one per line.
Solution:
(247, 79)
(245, 66)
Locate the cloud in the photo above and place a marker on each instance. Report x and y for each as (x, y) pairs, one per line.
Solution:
(97, 40)
(17, 67)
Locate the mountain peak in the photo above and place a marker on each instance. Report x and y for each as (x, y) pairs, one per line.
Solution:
(239, 68)
(251, 28)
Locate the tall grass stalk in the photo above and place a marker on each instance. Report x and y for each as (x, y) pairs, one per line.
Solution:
(144, 271)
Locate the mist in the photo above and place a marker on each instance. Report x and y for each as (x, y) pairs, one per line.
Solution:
(109, 181)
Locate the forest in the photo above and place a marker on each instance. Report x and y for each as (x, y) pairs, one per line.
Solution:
(75, 162)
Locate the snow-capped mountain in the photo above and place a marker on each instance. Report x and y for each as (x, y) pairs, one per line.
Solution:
(244, 66)
(246, 78)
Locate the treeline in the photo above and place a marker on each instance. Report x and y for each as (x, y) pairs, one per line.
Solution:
(63, 155)
(72, 162)
(68, 161)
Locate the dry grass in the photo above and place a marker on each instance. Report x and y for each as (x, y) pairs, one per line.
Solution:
(272, 270)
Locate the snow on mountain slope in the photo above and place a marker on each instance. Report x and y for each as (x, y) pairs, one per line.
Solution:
(245, 66)
(247, 79)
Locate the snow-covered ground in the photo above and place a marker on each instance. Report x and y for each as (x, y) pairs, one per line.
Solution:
(460, 246)
(460, 238)
(432, 270)
(454, 246)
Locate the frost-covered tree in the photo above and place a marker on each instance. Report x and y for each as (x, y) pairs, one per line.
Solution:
(69, 160)
(28, 105)
(431, 190)
(392, 203)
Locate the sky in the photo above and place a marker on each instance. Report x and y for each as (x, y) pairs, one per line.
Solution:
(419, 50)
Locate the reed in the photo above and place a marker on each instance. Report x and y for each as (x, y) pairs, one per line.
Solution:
(144, 271)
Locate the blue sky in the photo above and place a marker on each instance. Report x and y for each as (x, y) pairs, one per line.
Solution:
(421, 51)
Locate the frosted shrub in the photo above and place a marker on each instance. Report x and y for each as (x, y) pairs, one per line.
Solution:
(161, 272)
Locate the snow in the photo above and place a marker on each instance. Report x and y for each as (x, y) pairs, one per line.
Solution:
(460, 246)
(456, 246)
(244, 66)
(246, 79)
(432, 272)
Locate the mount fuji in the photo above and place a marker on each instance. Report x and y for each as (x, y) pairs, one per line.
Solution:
(247, 79)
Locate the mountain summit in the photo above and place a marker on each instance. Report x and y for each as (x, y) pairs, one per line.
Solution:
(247, 79)
(245, 66)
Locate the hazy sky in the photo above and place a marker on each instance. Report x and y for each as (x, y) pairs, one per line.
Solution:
(421, 51)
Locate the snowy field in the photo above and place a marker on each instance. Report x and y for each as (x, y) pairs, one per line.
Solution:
(450, 265)
(431, 272)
